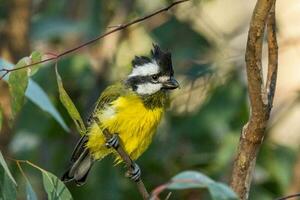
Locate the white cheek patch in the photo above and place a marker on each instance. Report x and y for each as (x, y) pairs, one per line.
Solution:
(145, 70)
(148, 88)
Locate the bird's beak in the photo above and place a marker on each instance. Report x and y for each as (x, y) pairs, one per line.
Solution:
(170, 84)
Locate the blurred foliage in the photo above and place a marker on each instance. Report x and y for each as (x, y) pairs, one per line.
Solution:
(35, 93)
(1, 118)
(7, 182)
(7, 188)
(193, 179)
(204, 139)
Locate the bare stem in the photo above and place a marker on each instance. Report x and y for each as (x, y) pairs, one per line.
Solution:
(127, 160)
(129, 164)
(116, 29)
(289, 196)
(273, 55)
(261, 96)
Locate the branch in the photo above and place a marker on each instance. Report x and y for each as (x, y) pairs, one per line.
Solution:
(129, 164)
(261, 97)
(116, 29)
(127, 160)
(273, 55)
(289, 196)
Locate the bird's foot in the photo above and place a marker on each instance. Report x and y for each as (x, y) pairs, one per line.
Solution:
(113, 141)
(134, 173)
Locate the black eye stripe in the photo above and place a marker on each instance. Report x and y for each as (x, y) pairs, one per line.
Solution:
(137, 80)
(143, 79)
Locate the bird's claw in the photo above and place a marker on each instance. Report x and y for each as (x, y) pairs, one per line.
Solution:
(134, 173)
(113, 142)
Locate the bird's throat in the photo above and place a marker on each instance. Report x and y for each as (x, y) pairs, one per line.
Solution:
(158, 100)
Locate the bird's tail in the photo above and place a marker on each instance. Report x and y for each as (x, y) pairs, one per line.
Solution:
(81, 163)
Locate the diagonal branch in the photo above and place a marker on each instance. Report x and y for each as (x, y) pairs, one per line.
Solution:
(116, 29)
(289, 197)
(127, 160)
(129, 164)
(261, 97)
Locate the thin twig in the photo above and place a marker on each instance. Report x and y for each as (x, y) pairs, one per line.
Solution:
(168, 196)
(289, 196)
(21, 170)
(118, 28)
(28, 163)
(261, 96)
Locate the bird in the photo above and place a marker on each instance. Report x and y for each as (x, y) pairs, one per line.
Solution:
(131, 110)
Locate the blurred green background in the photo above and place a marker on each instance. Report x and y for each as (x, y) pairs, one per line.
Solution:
(200, 131)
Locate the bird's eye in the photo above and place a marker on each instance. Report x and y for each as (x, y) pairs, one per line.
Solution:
(155, 77)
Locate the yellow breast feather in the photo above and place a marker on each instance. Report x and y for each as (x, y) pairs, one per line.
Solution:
(128, 117)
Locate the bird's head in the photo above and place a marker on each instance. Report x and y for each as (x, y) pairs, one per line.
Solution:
(152, 74)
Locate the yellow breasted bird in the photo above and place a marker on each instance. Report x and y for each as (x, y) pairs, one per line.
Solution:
(131, 110)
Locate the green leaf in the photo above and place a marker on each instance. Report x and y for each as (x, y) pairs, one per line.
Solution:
(7, 187)
(193, 179)
(220, 191)
(18, 81)
(189, 179)
(55, 188)
(35, 57)
(69, 105)
(30, 194)
(38, 96)
(5, 167)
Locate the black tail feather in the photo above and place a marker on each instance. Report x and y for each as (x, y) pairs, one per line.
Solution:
(79, 148)
(81, 163)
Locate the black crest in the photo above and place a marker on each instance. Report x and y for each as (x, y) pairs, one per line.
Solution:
(163, 59)
(140, 60)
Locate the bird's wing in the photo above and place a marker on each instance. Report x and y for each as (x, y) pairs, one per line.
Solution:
(110, 94)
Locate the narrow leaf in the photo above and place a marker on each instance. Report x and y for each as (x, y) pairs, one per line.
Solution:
(220, 191)
(69, 105)
(38, 96)
(30, 194)
(5, 167)
(18, 81)
(35, 57)
(7, 187)
(54, 187)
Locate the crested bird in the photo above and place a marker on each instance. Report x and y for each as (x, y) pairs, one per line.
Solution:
(131, 110)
